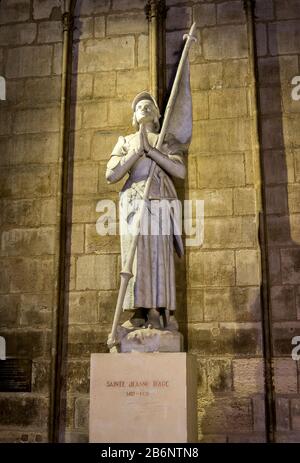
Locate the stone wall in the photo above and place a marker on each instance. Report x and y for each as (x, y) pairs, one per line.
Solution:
(219, 284)
(30, 44)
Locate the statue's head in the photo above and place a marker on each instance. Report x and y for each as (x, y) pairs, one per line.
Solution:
(145, 109)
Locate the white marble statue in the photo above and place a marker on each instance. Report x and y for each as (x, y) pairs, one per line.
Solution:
(151, 293)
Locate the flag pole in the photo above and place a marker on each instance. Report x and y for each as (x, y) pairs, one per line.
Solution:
(126, 272)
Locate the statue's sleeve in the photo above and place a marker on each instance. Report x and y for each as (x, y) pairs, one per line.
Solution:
(121, 160)
(174, 160)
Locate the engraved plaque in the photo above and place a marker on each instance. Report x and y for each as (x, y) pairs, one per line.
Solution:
(15, 375)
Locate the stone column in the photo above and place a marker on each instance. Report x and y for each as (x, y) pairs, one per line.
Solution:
(156, 14)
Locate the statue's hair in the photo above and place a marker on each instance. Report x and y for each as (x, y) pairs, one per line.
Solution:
(155, 122)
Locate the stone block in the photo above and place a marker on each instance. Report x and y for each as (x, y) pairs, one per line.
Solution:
(231, 232)
(5, 122)
(206, 76)
(293, 198)
(248, 267)
(287, 9)
(225, 42)
(29, 61)
(129, 83)
(107, 244)
(284, 37)
(272, 132)
(105, 84)
(195, 305)
(109, 54)
(84, 340)
(24, 412)
(29, 274)
(259, 414)
(290, 266)
(221, 171)
(248, 376)
(232, 135)
(283, 303)
(270, 100)
(217, 338)
(204, 15)
(232, 304)
(278, 167)
(131, 23)
(36, 310)
(264, 9)
(27, 343)
(84, 28)
(282, 414)
(285, 376)
(28, 242)
(236, 73)
(119, 113)
(85, 178)
(200, 106)
(94, 115)
(78, 377)
(50, 31)
(219, 375)
(244, 201)
(34, 181)
(41, 376)
(75, 239)
(37, 120)
(274, 266)
(143, 51)
(41, 90)
(57, 58)
(17, 34)
(84, 210)
(227, 103)
(82, 87)
(222, 413)
(102, 145)
(90, 273)
(230, 12)
(43, 9)
(277, 70)
(121, 5)
(179, 18)
(283, 332)
(91, 7)
(14, 10)
(107, 301)
(9, 310)
(295, 412)
(82, 412)
(262, 39)
(215, 268)
(99, 26)
(80, 144)
(83, 307)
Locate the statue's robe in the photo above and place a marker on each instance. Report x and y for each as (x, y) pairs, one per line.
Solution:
(153, 283)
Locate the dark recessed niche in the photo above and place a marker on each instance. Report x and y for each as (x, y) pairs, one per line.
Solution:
(15, 375)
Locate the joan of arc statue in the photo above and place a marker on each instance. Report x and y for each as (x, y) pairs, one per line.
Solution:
(151, 293)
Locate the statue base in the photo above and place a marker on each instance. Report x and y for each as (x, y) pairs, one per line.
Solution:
(143, 397)
(149, 340)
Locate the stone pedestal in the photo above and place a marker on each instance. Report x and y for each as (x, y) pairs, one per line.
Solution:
(143, 397)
